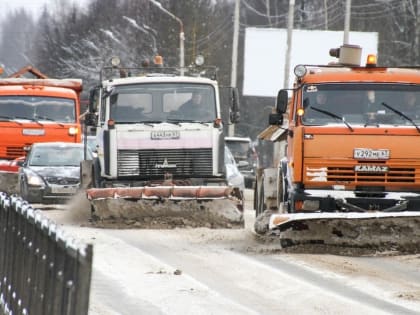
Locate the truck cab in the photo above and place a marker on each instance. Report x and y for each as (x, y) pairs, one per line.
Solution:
(352, 140)
(149, 130)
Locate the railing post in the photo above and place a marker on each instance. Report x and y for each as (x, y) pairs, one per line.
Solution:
(41, 271)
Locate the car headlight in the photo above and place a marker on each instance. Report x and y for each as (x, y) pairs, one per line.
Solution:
(34, 179)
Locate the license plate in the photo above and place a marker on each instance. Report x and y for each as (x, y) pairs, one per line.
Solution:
(370, 154)
(63, 189)
(165, 135)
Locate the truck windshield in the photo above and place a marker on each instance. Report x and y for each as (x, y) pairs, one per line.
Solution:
(160, 102)
(37, 108)
(366, 104)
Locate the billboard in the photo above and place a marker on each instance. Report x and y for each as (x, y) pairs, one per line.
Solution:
(265, 55)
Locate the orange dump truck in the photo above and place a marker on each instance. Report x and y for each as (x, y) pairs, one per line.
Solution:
(38, 109)
(350, 171)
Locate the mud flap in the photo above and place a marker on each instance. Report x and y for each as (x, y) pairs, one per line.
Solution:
(381, 231)
(165, 207)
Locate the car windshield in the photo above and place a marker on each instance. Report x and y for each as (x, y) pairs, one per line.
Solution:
(56, 156)
(367, 104)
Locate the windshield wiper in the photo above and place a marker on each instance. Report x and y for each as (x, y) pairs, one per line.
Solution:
(48, 119)
(7, 118)
(146, 122)
(401, 114)
(179, 120)
(172, 121)
(333, 116)
(150, 122)
(28, 118)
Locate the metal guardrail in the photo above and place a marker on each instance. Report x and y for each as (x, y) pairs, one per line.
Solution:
(42, 272)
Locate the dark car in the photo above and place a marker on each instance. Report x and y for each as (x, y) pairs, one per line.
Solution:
(245, 156)
(51, 172)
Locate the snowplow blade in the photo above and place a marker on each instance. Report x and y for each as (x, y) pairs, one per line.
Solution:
(166, 207)
(380, 231)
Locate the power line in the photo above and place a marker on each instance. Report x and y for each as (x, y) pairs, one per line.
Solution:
(251, 8)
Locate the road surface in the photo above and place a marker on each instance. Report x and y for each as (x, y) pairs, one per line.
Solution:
(204, 271)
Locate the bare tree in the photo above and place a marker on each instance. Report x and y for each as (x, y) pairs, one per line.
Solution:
(16, 49)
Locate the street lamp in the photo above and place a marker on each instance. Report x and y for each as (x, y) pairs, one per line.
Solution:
(143, 29)
(181, 34)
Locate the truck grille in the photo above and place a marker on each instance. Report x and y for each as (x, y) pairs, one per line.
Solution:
(156, 163)
(14, 151)
(394, 175)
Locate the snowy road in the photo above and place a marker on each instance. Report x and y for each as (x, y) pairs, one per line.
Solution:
(203, 271)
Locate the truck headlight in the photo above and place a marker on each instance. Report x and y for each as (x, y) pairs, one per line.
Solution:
(73, 131)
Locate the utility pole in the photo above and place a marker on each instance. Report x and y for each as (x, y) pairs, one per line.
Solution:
(267, 5)
(416, 54)
(326, 15)
(289, 42)
(347, 22)
(181, 34)
(233, 79)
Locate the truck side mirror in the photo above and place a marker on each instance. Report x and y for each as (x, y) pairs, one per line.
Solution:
(234, 114)
(282, 100)
(90, 119)
(275, 119)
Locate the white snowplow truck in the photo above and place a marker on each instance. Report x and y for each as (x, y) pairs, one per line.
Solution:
(347, 173)
(160, 156)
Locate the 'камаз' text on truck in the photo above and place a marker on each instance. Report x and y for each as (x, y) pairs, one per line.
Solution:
(351, 169)
(159, 161)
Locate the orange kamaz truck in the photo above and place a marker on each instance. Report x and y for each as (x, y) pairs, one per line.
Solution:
(349, 170)
(36, 109)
